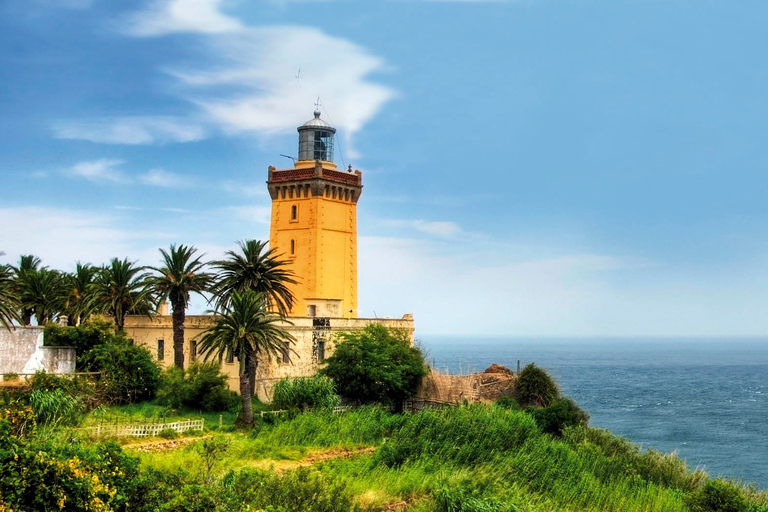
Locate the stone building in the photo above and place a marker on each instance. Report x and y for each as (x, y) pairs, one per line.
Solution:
(314, 228)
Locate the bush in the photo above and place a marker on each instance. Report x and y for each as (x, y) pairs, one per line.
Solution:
(168, 433)
(20, 420)
(507, 402)
(304, 392)
(301, 489)
(718, 496)
(561, 414)
(202, 387)
(376, 365)
(38, 474)
(85, 337)
(55, 408)
(128, 372)
(536, 387)
(10, 376)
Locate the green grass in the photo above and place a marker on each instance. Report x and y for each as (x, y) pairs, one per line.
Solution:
(470, 458)
(151, 411)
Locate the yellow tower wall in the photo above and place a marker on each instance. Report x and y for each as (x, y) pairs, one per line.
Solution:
(319, 242)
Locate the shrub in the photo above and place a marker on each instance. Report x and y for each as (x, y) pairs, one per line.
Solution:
(20, 420)
(376, 365)
(10, 376)
(561, 414)
(718, 496)
(301, 489)
(304, 392)
(38, 474)
(128, 372)
(212, 450)
(508, 402)
(202, 386)
(168, 433)
(55, 408)
(85, 337)
(536, 387)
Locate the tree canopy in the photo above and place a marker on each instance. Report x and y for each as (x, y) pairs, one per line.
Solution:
(376, 365)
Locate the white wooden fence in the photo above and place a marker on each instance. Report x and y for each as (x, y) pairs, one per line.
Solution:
(143, 429)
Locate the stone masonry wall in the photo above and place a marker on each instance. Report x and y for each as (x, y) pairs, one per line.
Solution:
(309, 333)
(22, 351)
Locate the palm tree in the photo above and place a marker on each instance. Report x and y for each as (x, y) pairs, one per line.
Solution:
(43, 293)
(258, 269)
(255, 269)
(180, 275)
(79, 304)
(120, 289)
(9, 302)
(27, 263)
(245, 330)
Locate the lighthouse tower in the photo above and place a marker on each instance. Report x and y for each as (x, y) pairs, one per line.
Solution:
(314, 225)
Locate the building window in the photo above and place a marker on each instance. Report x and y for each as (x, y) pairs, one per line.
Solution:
(192, 350)
(230, 357)
(293, 247)
(286, 352)
(294, 212)
(311, 310)
(321, 351)
(160, 350)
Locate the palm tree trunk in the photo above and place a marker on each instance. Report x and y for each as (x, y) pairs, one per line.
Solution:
(251, 362)
(245, 389)
(26, 317)
(179, 314)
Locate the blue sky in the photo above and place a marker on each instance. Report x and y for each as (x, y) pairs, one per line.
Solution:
(531, 168)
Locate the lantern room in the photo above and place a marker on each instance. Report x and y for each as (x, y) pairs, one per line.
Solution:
(316, 140)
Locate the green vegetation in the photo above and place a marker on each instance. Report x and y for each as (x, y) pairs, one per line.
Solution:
(465, 458)
(536, 387)
(202, 386)
(376, 365)
(316, 392)
(180, 275)
(245, 329)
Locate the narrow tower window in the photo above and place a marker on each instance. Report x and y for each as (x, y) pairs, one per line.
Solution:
(294, 212)
(286, 352)
(293, 247)
(160, 350)
(192, 350)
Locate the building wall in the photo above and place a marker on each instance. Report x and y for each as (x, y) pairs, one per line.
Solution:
(304, 354)
(22, 351)
(324, 236)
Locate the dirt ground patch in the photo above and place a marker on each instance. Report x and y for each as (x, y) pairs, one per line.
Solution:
(313, 458)
(162, 446)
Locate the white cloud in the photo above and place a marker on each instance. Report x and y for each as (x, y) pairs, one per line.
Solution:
(101, 170)
(444, 229)
(256, 214)
(265, 62)
(63, 236)
(171, 16)
(163, 178)
(262, 64)
(131, 130)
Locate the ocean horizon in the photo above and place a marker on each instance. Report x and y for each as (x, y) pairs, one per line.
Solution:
(705, 398)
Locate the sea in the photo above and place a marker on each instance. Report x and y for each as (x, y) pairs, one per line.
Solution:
(706, 399)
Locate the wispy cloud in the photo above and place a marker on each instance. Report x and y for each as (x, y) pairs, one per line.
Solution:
(163, 178)
(445, 229)
(131, 130)
(101, 170)
(106, 170)
(277, 71)
(167, 17)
